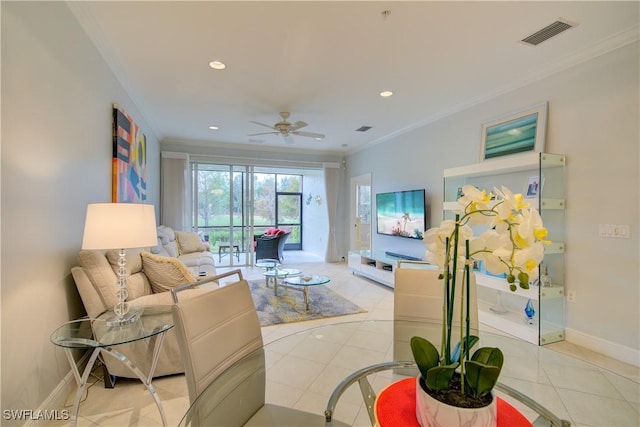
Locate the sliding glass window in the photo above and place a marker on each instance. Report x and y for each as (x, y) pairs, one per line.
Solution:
(233, 203)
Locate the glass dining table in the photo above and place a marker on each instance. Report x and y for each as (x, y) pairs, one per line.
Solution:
(335, 372)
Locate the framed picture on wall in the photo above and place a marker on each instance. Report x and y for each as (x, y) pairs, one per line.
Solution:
(519, 132)
(129, 160)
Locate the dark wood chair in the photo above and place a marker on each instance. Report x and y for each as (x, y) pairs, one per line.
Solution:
(271, 247)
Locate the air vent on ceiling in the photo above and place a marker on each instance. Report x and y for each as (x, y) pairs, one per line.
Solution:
(363, 128)
(547, 32)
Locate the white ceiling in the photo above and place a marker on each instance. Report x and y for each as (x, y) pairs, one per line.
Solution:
(326, 62)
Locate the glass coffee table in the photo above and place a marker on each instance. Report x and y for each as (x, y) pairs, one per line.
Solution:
(272, 276)
(303, 283)
(268, 264)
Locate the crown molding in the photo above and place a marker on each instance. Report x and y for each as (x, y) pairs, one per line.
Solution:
(607, 45)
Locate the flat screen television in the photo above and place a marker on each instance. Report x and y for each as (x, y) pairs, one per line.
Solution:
(401, 213)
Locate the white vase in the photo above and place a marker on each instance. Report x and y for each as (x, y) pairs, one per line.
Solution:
(433, 413)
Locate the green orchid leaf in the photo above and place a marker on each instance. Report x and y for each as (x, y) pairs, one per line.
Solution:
(491, 356)
(425, 355)
(438, 378)
(480, 378)
(455, 353)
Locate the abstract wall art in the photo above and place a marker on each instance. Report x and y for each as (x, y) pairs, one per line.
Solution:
(129, 173)
(518, 132)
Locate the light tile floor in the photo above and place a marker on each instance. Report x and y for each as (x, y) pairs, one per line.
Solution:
(587, 398)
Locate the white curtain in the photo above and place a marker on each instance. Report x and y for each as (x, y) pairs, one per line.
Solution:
(331, 183)
(175, 198)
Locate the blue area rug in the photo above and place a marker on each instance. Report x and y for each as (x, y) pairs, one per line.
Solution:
(289, 305)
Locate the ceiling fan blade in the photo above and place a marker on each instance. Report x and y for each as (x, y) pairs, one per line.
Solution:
(263, 133)
(309, 134)
(262, 124)
(297, 125)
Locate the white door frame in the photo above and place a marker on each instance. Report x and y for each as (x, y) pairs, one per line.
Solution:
(353, 236)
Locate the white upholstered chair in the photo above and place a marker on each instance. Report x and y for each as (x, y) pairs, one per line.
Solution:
(219, 334)
(214, 331)
(419, 297)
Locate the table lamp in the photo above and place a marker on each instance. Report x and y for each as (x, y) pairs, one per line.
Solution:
(120, 226)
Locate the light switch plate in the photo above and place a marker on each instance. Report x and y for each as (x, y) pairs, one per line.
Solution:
(614, 231)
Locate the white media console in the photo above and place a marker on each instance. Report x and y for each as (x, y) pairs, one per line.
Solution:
(376, 265)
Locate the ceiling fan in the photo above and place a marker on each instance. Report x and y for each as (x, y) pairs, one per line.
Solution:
(286, 129)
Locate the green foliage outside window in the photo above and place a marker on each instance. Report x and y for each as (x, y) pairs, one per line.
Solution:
(215, 202)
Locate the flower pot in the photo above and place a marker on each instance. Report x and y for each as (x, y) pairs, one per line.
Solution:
(433, 413)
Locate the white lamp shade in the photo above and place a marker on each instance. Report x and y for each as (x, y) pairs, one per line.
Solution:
(119, 226)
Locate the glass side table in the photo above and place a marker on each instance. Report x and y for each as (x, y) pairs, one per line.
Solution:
(96, 334)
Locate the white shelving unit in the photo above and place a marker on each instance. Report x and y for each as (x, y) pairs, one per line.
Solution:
(514, 172)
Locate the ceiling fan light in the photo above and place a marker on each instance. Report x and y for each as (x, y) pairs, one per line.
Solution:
(217, 65)
(386, 93)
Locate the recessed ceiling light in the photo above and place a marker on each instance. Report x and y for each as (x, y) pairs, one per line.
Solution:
(386, 93)
(217, 65)
(214, 127)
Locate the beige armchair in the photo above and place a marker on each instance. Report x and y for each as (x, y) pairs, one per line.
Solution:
(96, 279)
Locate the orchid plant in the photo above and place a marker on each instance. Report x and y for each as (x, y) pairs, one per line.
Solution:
(513, 244)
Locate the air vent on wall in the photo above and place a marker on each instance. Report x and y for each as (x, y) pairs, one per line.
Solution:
(363, 128)
(547, 32)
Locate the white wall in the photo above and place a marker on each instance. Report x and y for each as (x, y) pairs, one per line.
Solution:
(57, 94)
(593, 120)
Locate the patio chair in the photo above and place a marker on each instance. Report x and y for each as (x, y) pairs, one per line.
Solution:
(271, 247)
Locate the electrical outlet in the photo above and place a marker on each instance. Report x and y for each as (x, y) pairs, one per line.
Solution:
(571, 296)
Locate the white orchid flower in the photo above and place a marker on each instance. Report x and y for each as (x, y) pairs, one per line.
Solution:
(531, 226)
(474, 199)
(527, 260)
(494, 265)
(513, 243)
(510, 204)
(435, 240)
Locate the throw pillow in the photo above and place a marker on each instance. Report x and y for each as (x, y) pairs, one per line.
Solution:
(189, 242)
(165, 273)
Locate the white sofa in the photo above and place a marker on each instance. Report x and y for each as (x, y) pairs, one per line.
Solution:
(96, 280)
